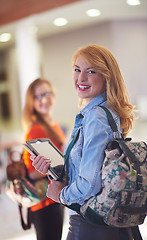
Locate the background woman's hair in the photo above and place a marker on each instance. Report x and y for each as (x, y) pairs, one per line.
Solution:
(30, 116)
(117, 94)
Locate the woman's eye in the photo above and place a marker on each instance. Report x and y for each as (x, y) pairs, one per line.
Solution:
(77, 70)
(91, 71)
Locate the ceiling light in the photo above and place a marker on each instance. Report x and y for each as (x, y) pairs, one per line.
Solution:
(60, 22)
(133, 2)
(93, 12)
(5, 37)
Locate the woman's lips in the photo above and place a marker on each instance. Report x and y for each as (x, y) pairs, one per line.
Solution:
(83, 87)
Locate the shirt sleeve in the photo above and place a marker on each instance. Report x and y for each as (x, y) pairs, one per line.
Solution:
(96, 133)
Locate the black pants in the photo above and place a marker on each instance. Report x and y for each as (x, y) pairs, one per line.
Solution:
(48, 222)
(79, 229)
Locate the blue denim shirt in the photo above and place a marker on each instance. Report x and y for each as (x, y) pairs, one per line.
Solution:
(86, 156)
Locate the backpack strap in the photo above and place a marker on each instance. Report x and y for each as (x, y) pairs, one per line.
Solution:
(110, 118)
(75, 137)
(133, 159)
(112, 123)
(74, 206)
(24, 225)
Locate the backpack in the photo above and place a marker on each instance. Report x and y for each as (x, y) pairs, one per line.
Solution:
(21, 189)
(123, 198)
(122, 201)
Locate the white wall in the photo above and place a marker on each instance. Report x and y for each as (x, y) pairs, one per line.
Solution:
(130, 48)
(125, 39)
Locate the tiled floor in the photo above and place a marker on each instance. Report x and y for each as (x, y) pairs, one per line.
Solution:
(10, 228)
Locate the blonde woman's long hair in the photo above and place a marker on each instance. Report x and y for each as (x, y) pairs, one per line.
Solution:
(117, 94)
(30, 116)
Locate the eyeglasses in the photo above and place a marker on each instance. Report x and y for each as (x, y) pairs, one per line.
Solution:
(41, 95)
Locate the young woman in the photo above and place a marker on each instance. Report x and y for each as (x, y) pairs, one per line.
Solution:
(98, 82)
(38, 122)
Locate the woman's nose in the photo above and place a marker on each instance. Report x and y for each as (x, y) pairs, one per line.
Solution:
(82, 76)
(44, 99)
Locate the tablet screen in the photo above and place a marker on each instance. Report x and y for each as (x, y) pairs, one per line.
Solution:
(46, 148)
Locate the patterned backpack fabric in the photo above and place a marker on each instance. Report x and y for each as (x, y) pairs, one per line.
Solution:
(123, 198)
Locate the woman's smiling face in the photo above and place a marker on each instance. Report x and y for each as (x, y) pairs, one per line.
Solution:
(88, 82)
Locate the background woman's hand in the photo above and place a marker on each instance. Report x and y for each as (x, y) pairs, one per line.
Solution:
(54, 188)
(41, 163)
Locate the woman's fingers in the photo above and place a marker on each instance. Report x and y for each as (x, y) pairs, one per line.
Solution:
(41, 163)
(32, 157)
(44, 167)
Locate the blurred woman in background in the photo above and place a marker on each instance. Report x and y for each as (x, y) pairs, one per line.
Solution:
(38, 122)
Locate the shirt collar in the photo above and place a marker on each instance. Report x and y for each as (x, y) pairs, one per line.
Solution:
(95, 102)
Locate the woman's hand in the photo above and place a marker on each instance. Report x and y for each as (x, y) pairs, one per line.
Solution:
(40, 163)
(54, 188)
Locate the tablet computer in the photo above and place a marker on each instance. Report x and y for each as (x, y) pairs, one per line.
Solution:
(46, 148)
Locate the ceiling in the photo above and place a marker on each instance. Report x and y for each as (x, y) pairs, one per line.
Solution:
(74, 11)
(13, 10)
